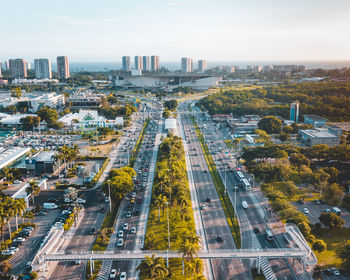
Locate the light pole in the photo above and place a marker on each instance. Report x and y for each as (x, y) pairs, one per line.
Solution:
(109, 195)
(167, 214)
(225, 180)
(253, 179)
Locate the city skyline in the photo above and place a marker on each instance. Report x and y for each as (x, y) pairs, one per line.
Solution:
(230, 31)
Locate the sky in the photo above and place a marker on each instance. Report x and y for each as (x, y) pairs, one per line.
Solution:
(216, 30)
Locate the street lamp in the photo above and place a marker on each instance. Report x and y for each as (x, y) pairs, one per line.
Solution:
(167, 214)
(109, 195)
(253, 179)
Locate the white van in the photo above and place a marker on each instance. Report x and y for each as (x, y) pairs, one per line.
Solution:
(49, 205)
(244, 204)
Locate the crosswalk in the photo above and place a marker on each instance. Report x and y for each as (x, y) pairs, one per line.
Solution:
(264, 263)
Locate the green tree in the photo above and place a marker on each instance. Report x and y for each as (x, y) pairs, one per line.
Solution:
(270, 124)
(319, 245)
(166, 114)
(299, 159)
(171, 104)
(159, 202)
(284, 136)
(189, 250)
(49, 115)
(30, 122)
(343, 252)
(33, 190)
(331, 220)
(332, 194)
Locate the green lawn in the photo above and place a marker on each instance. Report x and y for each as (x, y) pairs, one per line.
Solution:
(334, 238)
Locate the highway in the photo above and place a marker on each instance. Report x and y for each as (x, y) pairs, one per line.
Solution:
(213, 217)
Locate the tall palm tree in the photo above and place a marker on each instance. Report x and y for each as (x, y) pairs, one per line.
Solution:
(189, 268)
(33, 190)
(2, 221)
(19, 207)
(192, 237)
(188, 250)
(183, 212)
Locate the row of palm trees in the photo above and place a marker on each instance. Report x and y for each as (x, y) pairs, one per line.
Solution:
(10, 208)
(67, 154)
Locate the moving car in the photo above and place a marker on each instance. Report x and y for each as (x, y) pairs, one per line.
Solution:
(128, 214)
(93, 230)
(133, 230)
(120, 234)
(120, 242)
(335, 271)
(203, 206)
(80, 200)
(125, 226)
(113, 274)
(244, 204)
(123, 276)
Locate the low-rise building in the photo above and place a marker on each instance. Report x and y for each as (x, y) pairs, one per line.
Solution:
(84, 100)
(171, 126)
(86, 119)
(315, 120)
(8, 156)
(14, 120)
(313, 137)
(43, 162)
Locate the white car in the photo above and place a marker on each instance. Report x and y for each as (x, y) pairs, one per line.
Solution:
(113, 274)
(133, 230)
(17, 182)
(133, 194)
(203, 207)
(123, 276)
(125, 226)
(120, 242)
(306, 211)
(80, 200)
(120, 234)
(335, 271)
(19, 239)
(67, 200)
(7, 252)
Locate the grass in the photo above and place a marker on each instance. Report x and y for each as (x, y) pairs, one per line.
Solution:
(157, 230)
(334, 238)
(136, 150)
(220, 188)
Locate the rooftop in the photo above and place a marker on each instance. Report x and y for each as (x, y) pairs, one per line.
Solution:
(44, 156)
(314, 133)
(316, 117)
(8, 156)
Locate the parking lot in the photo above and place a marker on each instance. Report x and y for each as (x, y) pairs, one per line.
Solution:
(316, 210)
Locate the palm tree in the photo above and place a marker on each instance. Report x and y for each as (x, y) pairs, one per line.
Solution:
(154, 267)
(189, 268)
(192, 237)
(160, 201)
(33, 190)
(2, 221)
(183, 212)
(198, 264)
(19, 207)
(188, 250)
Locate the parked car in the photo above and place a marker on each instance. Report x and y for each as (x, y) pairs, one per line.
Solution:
(49, 205)
(306, 211)
(128, 214)
(19, 239)
(7, 252)
(80, 200)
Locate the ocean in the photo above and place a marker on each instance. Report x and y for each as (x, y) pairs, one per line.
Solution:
(172, 66)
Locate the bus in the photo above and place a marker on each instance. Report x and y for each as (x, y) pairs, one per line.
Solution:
(239, 176)
(246, 185)
(269, 235)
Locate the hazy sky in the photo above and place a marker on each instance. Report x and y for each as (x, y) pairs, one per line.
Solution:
(216, 30)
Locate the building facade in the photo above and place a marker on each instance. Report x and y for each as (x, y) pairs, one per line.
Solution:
(294, 112)
(42, 68)
(186, 65)
(202, 65)
(63, 67)
(315, 120)
(126, 63)
(18, 68)
(146, 63)
(138, 62)
(154, 63)
(313, 137)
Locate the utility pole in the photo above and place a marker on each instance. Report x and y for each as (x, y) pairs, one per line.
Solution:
(109, 195)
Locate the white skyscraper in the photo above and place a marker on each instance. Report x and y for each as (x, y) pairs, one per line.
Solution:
(202, 65)
(42, 68)
(146, 63)
(186, 65)
(138, 62)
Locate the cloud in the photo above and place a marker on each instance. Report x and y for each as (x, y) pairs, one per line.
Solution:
(111, 20)
(71, 20)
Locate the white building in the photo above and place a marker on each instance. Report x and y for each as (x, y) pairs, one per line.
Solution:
(86, 119)
(14, 120)
(186, 65)
(202, 65)
(35, 100)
